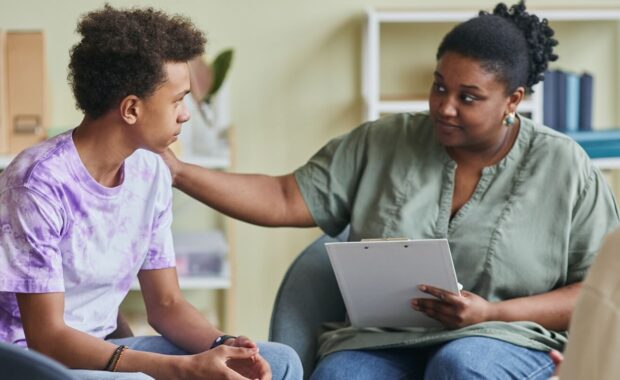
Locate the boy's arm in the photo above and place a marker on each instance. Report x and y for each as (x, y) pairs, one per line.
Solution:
(123, 330)
(171, 315)
(46, 332)
(42, 316)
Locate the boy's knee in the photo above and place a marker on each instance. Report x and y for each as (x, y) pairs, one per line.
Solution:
(284, 361)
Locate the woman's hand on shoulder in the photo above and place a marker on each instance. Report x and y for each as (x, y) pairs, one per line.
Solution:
(453, 310)
(173, 163)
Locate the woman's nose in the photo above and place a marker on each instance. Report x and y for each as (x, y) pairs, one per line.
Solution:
(447, 108)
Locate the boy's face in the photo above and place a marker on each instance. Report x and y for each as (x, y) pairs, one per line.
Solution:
(164, 111)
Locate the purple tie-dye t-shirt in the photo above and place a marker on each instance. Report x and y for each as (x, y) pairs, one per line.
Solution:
(61, 231)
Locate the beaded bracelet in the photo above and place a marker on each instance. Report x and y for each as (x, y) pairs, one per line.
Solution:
(120, 354)
(116, 356)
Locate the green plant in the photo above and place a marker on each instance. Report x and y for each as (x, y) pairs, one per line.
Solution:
(219, 69)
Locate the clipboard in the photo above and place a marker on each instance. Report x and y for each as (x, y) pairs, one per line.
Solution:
(379, 278)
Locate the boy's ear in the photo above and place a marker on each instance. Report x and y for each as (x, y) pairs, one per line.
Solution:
(130, 109)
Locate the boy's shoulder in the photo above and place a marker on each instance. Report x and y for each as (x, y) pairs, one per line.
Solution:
(146, 166)
(46, 160)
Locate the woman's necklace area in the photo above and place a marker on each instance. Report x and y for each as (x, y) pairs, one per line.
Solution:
(505, 145)
(489, 157)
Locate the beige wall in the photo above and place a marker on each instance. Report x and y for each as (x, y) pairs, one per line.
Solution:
(295, 83)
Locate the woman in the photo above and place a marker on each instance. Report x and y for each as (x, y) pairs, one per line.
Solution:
(472, 171)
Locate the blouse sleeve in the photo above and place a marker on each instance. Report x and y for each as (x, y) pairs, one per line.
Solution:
(595, 215)
(329, 181)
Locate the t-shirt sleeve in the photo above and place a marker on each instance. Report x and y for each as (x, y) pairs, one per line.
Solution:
(161, 249)
(595, 215)
(329, 180)
(31, 227)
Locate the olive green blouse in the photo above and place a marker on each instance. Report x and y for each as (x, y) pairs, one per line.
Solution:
(533, 224)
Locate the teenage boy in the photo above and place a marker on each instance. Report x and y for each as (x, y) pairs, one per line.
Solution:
(85, 212)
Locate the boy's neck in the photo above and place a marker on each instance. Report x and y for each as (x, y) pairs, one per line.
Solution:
(102, 148)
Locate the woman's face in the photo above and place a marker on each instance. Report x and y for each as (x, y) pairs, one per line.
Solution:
(468, 104)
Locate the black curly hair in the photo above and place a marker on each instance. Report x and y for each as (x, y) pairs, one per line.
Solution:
(123, 52)
(511, 43)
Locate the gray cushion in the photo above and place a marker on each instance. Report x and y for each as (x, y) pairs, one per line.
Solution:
(17, 363)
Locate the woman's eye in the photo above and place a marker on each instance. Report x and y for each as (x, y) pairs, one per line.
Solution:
(468, 98)
(438, 87)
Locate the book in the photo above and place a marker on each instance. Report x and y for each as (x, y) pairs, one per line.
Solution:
(585, 101)
(549, 99)
(572, 101)
(560, 97)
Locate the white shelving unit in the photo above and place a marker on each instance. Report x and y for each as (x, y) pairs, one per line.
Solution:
(375, 105)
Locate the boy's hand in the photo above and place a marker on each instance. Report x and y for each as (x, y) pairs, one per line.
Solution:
(240, 341)
(235, 363)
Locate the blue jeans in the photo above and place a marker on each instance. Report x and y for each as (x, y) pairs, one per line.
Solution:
(465, 358)
(284, 361)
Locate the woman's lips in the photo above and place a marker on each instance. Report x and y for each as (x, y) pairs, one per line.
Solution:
(445, 124)
(447, 128)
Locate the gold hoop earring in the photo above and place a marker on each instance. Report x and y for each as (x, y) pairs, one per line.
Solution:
(509, 120)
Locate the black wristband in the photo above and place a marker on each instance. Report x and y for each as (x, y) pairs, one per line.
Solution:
(221, 339)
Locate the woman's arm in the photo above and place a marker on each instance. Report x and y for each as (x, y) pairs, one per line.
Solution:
(551, 310)
(259, 199)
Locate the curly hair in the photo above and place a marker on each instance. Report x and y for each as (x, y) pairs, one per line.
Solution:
(123, 52)
(511, 43)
